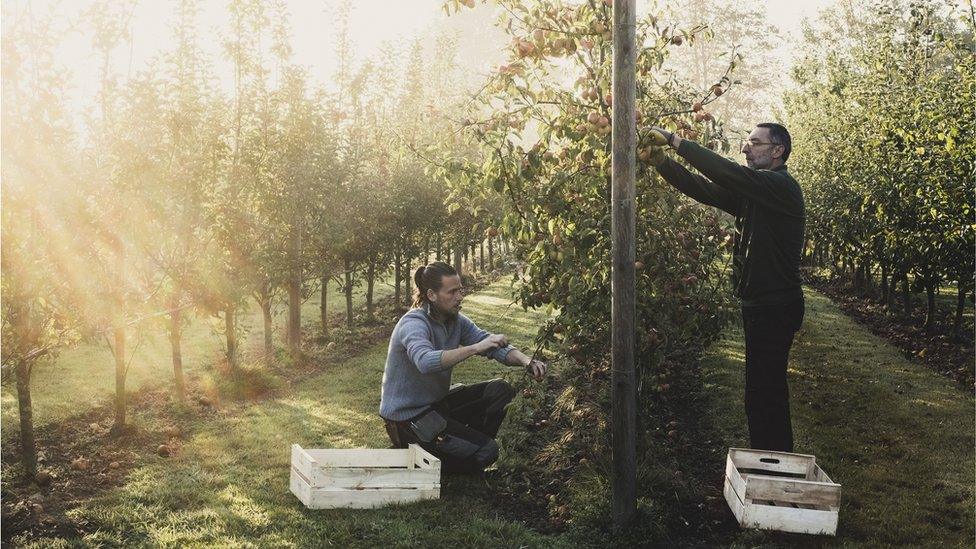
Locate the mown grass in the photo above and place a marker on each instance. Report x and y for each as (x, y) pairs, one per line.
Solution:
(897, 436)
(84, 375)
(229, 484)
(946, 298)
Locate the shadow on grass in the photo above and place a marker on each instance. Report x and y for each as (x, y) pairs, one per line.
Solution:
(228, 485)
(898, 437)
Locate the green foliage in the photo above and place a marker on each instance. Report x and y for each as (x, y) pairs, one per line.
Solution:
(542, 125)
(883, 127)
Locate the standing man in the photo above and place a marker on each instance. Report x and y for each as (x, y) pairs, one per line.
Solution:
(456, 425)
(769, 215)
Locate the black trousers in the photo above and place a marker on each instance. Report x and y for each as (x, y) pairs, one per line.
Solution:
(769, 331)
(474, 414)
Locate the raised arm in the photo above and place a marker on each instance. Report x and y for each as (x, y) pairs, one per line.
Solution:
(774, 189)
(699, 188)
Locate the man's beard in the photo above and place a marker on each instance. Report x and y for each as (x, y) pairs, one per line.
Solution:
(447, 314)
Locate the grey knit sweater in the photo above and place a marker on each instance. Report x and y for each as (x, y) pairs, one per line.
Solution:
(414, 378)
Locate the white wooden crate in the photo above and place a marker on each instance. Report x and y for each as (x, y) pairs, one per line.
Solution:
(781, 491)
(362, 479)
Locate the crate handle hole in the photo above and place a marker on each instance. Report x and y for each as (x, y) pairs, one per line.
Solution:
(792, 491)
(769, 460)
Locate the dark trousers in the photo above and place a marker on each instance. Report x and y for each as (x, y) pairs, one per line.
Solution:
(769, 331)
(473, 413)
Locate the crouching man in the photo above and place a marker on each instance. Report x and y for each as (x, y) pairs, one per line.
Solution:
(456, 425)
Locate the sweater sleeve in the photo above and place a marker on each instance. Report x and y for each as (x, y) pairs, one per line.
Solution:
(415, 337)
(471, 334)
(700, 188)
(773, 189)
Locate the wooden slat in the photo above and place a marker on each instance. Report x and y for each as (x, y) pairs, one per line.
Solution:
(735, 479)
(821, 476)
(361, 457)
(424, 459)
(777, 462)
(789, 519)
(302, 461)
(781, 490)
(300, 487)
(735, 503)
(782, 518)
(363, 498)
(373, 477)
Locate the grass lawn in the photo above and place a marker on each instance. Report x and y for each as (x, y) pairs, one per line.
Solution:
(229, 484)
(897, 436)
(84, 376)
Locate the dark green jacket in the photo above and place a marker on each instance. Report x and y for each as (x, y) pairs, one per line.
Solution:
(769, 217)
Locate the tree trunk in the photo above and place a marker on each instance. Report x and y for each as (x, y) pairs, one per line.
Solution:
(406, 280)
(893, 288)
(324, 306)
(960, 308)
(930, 288)
(396, 278)
(230, 328)
(268, 327)
(370, 277)
(295, 295)
(491, 253)
(119, 337)
(457, 260)
(348, 289)
(906, 295)
(26, 411)
(175, 337)
(623, 304)
(481, 254)
(885, 290)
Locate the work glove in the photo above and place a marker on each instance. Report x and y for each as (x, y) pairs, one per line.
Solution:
(652, 155)
(657, 156)
(659, 136)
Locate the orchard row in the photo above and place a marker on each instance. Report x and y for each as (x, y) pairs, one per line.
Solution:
(180, 198)
(884, 128)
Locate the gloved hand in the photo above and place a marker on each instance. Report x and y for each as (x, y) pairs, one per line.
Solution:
(652, 154)
(659, 136)
(657, 156)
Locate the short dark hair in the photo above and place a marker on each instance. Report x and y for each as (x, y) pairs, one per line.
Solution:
(779, 134)
(430, 277)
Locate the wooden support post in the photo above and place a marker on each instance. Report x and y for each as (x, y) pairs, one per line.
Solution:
(624, 305)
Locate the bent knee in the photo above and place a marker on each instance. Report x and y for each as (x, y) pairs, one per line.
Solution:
(486, 455)
(499, 389)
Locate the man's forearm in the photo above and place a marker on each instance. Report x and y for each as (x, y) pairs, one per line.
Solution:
(517, 358)
(454, 356)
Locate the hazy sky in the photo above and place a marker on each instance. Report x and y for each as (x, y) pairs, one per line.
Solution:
(372, 22)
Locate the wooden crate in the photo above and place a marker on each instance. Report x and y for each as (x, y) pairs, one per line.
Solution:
(362, 479)
(781, 491)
